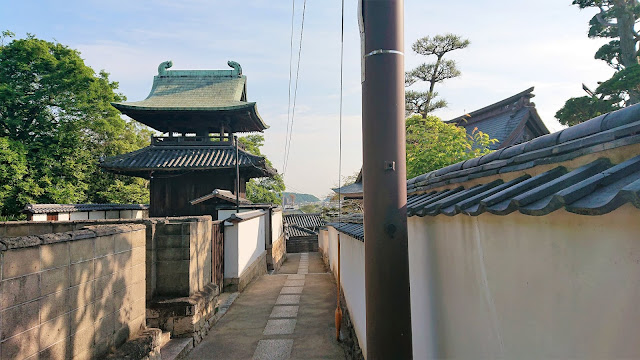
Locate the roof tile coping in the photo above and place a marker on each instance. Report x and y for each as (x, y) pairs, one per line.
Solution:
(89, 232)
(588, 129)
(244, 216)
(45, 208)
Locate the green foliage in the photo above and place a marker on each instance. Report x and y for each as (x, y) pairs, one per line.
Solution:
(577, 110)
(424, 102)
(624, 80)
(615, 19)
(433, 144)
(59, 110)
(311, 208)
(263, 190)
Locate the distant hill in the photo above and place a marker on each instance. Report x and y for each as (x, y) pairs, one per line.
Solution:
(300, 198)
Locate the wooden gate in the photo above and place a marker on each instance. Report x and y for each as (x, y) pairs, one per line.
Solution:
(217, 253)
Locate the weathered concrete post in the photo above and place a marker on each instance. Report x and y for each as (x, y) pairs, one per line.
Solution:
(384, 179)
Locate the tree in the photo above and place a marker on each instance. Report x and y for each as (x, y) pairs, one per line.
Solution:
(421, 102)
(614, 20)
(433, 144)
(263, 190)
(58, 110)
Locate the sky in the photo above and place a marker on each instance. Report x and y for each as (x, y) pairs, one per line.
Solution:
(515, 44)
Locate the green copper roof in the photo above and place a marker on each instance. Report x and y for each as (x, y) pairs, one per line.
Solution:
(196, 101)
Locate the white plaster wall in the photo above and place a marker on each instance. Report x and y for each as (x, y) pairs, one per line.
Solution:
(323, 240)
(63, 216)
(112, 214)
(39, 217)
(524, 287)
(333, 250)
(251, 241)
(225, 214)
(80, 215)
(231, 251)
(137, 214)
(352, 281)
(96, 215)
(126, 214)
(276, 225)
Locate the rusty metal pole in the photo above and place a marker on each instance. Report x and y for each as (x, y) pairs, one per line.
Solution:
(384, 178)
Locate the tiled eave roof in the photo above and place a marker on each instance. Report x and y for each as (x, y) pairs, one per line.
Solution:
(224, 195)
(593, 189)
(608, 131)
(513, 184)
(354, 190)
(196, 101)
(64, 208)
(184, 158)
(506, 121)
(355, 230)
(309, 221)
(297, 231)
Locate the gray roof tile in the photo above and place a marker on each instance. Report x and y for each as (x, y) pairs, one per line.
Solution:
(593, 189)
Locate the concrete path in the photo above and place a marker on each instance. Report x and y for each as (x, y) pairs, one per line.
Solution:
(288, 315)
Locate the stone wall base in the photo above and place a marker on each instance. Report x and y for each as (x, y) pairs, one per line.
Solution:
(187, 316)
(278, 253)
(348, 337)
(257, 268)
(145, 346)
(300, 244)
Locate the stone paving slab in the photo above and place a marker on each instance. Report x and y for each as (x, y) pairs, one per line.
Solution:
(288, 300)
(292, 290)
(279, 327)
(273, 349)
(294, 283)
(289, 311)
(240, 333)
(316, 265)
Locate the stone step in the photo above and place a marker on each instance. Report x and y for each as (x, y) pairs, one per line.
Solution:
(165, 337)
(176, 348)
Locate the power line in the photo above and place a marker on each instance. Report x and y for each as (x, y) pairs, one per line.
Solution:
(295, 94)
(293, 12)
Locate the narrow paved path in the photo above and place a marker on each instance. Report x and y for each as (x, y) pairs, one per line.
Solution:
(288, 315)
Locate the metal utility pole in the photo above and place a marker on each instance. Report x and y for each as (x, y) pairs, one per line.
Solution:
(235, 141)
(385, 180)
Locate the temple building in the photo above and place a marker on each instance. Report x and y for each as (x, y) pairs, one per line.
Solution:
(199, 111)
(511, 121)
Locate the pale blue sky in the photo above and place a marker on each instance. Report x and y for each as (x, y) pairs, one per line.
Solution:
(515, 44)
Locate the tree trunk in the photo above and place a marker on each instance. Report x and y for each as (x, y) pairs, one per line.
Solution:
(432, 85)
(628, 52)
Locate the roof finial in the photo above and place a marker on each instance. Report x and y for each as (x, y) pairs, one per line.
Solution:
(162, 68)
(235, 66)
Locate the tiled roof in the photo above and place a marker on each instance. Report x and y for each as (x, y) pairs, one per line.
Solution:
(63, 208)
(508, 121)
(352, 190)
(309, 221)
(296, 231)
(225, 195)
(608, 131)
(182, 100)
(168, 158)
(355, 230)
(595, 188)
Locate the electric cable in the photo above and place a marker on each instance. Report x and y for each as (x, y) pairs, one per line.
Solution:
(295, 93)
(286, 135)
